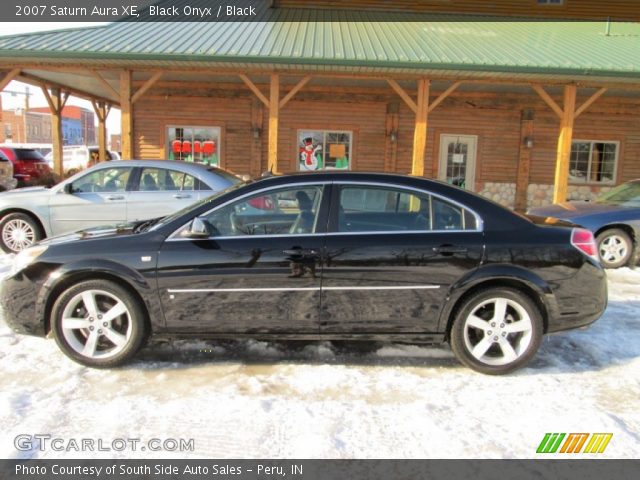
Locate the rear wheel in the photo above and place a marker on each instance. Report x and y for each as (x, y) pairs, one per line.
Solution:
(98, 323)
(496, 331)
(615, 248)
(18, 231)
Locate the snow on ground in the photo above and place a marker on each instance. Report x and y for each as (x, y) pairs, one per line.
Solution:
(320, 400)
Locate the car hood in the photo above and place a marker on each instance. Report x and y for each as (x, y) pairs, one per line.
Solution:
(571, 210)
(90, 234)
(24, 192)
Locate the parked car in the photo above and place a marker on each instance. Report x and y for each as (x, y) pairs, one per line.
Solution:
(7, 182)
(29, 166)
(614, 218)
(109, 193)
(79, 157)
(361, 257)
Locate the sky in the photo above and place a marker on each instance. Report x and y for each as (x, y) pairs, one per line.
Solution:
(11, 101)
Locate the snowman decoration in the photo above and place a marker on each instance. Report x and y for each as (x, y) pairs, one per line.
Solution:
(308, 158)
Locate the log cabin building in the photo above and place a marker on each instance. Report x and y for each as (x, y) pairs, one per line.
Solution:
(524, 101)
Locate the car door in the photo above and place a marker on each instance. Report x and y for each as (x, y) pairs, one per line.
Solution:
(97, 198)
(391, 255)
(259, 271)
(157, 192)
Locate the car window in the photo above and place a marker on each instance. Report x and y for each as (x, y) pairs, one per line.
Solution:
(28, 154)
(381, 209)
(103, 180)
(286, 211)
(162, 179)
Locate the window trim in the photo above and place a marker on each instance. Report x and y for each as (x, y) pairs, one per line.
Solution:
(595, 182)
(338, 187)
(351, 133)
(174, 236)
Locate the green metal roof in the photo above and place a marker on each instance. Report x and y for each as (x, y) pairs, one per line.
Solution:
(371, 41)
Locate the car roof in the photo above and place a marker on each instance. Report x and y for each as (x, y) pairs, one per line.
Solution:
(194, 168)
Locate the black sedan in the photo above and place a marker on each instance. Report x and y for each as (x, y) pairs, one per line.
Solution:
(614, 218)
(341, 256)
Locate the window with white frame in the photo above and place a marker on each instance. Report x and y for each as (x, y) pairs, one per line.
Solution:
(324, 150)
(593, 161)
(194, 144)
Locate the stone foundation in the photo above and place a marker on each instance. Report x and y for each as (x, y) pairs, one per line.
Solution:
(503, 193)
(540, 195)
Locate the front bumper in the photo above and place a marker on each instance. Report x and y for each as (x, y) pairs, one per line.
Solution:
(18, 300)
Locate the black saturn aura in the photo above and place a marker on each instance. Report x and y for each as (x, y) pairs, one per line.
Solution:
(333, 256)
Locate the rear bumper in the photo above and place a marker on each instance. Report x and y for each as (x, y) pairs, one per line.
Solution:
(580, 300)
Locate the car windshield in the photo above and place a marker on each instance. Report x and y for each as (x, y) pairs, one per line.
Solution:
(170, 218)
(627, 193)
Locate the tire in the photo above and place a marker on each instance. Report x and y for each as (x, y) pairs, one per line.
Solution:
(98, 340)
(19, 231)
(496, 344)
(615, 248)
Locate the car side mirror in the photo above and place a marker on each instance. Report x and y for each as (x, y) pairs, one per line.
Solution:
(68, 188)
(198, 229)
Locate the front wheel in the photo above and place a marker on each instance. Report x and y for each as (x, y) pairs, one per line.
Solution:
(614, 248)
(496, 331)
(98, 323)
(18, 231)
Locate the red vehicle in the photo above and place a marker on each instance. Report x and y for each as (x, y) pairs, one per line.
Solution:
(29, 166)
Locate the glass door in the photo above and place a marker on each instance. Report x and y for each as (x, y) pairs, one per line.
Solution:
(458, 160)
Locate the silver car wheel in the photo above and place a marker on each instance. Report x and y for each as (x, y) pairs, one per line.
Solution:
(96, 324)
(498, 331)
(613, 249)
(18, 234)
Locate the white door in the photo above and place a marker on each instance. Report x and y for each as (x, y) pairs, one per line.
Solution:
(458, 160)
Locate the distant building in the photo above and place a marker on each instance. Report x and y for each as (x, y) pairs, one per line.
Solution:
(34, 126)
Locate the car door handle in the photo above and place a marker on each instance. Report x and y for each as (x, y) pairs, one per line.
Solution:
(449, 249)
(115, 197)
(181, 195)
(300, 252)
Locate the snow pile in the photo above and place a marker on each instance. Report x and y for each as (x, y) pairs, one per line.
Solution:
(251, 399)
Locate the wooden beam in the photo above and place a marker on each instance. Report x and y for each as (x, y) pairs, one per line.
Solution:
(294, 90)
(126, 115)
(148, 84)
(38, 82)
(274, 116)
(524, 160)
(548, 100)
(6, 79)
(56, 129)
(561, 183)
(47, 97)
(420, 131)
(257, 117)
(106, 84)
(589, 102)
(443, 95)
(102, 111)
(255, 89)
(403, 95)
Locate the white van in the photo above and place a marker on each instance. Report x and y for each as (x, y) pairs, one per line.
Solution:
(79, 157)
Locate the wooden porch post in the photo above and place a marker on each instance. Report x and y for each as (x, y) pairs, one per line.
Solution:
(102, 112)
(524, 160)
(126, 110)
(561, 182)
(420, 131)
(56, 105)
(274, 114)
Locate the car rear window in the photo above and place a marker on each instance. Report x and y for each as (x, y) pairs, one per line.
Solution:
(29, 154)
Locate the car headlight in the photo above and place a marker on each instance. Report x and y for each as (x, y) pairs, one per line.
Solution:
(26, 257)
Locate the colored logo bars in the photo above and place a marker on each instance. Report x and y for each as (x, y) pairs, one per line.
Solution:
(574, 442)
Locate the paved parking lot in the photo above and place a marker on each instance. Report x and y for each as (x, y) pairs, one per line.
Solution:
(320, 400)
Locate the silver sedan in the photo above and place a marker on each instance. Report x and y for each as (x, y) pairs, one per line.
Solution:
(106, 194)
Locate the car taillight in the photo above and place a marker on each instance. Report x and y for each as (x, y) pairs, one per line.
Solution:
(584, 241)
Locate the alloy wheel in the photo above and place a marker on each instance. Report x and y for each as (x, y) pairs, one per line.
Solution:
(498, 331)
(613, 249)
(18, 234)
